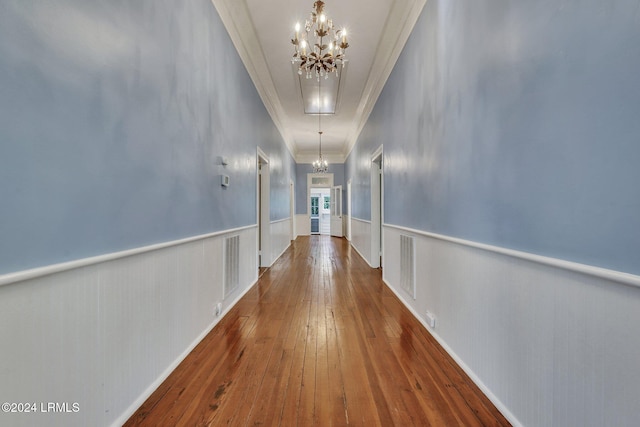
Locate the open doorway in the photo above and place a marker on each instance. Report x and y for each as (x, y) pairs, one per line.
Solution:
(318, 208)
(320, 211)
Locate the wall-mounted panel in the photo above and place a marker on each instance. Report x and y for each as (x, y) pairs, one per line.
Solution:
(361, 238)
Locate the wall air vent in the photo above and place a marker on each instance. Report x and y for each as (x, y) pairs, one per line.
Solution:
(407, 265)
(231, 264)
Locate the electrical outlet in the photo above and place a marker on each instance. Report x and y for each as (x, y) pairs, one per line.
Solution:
(431, 319)
(218, 309)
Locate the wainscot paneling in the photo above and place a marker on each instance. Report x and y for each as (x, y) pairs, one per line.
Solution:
(552, 343)
(280, 238)
(303, 225)
(361, 238)
(103, 333)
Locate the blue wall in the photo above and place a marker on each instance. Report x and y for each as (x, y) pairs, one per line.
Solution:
(358, 168)
(302, 169)
(113, 118)
(515, 124)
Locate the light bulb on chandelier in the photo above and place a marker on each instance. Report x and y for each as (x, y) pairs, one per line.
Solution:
(321, 59)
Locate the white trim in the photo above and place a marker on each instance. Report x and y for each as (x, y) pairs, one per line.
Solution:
(487, 392)
(280, 239)
(361, 220)
(377, 153)
(377, 206)
(292, 210)
(355, 248)
(262, 154)
(153, 386)
(263, 192)
(336, 223)
(237, 20)
(310, 185)
(280, 254)
(35, 273)
(362, 238)
(349, 210)
(602, 273)
(402, 18)
(280, 220)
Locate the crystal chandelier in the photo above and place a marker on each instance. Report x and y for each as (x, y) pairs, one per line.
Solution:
(312, 53)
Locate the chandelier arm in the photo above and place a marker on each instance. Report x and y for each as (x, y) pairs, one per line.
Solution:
(320, 26)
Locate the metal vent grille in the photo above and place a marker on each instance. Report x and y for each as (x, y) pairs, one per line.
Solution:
(231, 264)
(407, 265)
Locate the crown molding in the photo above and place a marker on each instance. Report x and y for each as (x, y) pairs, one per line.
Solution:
(237, 21)
(401, 20)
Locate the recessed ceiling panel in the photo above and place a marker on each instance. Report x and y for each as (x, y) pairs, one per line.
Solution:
(320, 95)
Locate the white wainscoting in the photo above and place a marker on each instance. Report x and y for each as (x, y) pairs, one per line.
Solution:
(280, 238)
(303, 225)
(552, 343)
(361, 238)
(108, 331)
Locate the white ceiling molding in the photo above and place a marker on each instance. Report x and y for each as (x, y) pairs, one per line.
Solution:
(236, 19)
(401, 21)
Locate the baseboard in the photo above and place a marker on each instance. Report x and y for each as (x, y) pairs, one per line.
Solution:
(359, 253)
(487, 392)
(154, 386)
(281, 253)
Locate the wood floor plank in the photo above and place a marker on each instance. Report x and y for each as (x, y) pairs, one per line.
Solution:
(318, 341)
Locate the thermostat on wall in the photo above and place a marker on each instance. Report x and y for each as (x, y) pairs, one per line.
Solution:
(225, 180)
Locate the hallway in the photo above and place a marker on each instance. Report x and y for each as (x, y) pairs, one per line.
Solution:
(319, 340)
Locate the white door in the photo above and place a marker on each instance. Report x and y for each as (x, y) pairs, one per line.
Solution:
(325, 212)
(349, 210)
(336, 211)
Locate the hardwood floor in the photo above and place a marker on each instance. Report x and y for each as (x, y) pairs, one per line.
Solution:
(319, 340)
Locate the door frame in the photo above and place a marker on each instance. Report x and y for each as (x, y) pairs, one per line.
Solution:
(349, 210)
(292, 208)
(310, 185)
(377, 207)
(262, 209)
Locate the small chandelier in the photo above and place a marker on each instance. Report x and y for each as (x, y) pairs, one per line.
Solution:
(314, 56)
(320, 165)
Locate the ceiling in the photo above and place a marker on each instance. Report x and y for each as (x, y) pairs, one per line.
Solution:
(261, 32)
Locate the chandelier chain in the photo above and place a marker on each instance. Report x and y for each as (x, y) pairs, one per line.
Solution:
(317, 59)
